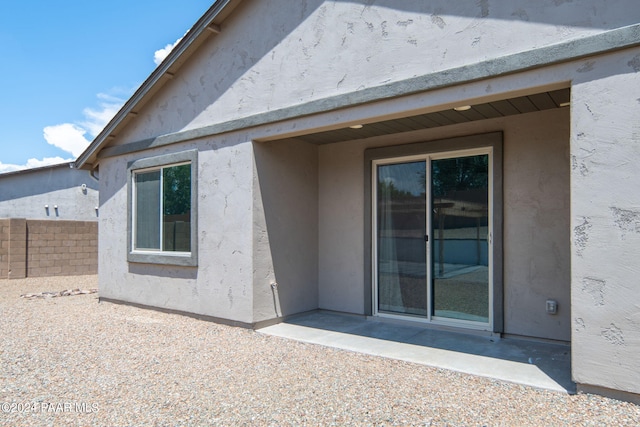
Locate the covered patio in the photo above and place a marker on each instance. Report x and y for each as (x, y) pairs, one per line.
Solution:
(533, 363)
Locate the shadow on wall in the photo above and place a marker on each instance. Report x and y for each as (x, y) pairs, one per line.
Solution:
(288, 178)
(560, 13)
(46, 180)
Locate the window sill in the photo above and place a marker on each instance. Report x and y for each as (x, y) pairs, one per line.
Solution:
(186, 259)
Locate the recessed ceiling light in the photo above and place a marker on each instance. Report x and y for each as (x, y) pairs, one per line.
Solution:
(462, 108)
(565, 104)
(356, 127)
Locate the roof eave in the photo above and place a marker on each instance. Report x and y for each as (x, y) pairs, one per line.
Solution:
(207, 25)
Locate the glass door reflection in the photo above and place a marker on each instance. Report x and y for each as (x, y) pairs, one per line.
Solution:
(459, 230)
(401, 226)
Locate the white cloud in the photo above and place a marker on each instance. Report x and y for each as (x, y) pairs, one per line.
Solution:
(32, 163)
(161, 54)
(70, 137)
(47, 161)
(67, 137)
(98, 119)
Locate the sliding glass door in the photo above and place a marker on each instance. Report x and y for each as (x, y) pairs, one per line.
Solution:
(432, 237)
(402, 254)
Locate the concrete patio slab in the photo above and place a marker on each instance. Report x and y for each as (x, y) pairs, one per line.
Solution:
(536, 364)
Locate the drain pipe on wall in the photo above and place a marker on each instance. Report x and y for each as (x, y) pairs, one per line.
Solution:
(94, 174)
(276, 298)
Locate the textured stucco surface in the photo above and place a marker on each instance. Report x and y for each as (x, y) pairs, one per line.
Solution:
(25, 194)
(536, 225)
(605, 220)
(285, 229)
(572, 209)
(341, 244)
(312, 49)
(221, 284)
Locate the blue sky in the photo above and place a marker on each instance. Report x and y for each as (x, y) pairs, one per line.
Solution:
(66, 66)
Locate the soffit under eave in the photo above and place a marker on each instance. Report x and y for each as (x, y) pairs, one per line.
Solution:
(502, 107)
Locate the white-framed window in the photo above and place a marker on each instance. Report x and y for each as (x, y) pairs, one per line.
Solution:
(162, 206)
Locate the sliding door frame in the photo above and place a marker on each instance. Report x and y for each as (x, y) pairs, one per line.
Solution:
(490, 144)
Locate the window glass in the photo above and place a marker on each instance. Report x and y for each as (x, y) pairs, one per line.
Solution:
(147, 219)
(163, 209)
(402, 252)
(460, 226)
(176, 221)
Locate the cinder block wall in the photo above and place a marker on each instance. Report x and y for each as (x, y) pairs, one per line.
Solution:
(17, 248)
(38, 248)
(4, 248)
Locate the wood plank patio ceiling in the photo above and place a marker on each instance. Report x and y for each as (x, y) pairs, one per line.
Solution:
(502, 108)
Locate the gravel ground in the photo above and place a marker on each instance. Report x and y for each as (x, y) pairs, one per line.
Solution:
(71, 361)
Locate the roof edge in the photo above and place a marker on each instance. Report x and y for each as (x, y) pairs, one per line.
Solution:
(200, 30)
(67, 164)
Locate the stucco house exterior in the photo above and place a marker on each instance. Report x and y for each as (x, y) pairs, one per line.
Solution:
(468, 165)
(55, 192)
(48, 222)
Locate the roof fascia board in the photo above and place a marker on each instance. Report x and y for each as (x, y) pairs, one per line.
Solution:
(204, 27)
(601, 43)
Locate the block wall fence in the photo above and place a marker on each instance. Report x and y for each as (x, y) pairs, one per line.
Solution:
(40, 248)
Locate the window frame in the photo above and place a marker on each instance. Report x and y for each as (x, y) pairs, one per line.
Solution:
(152, 164)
